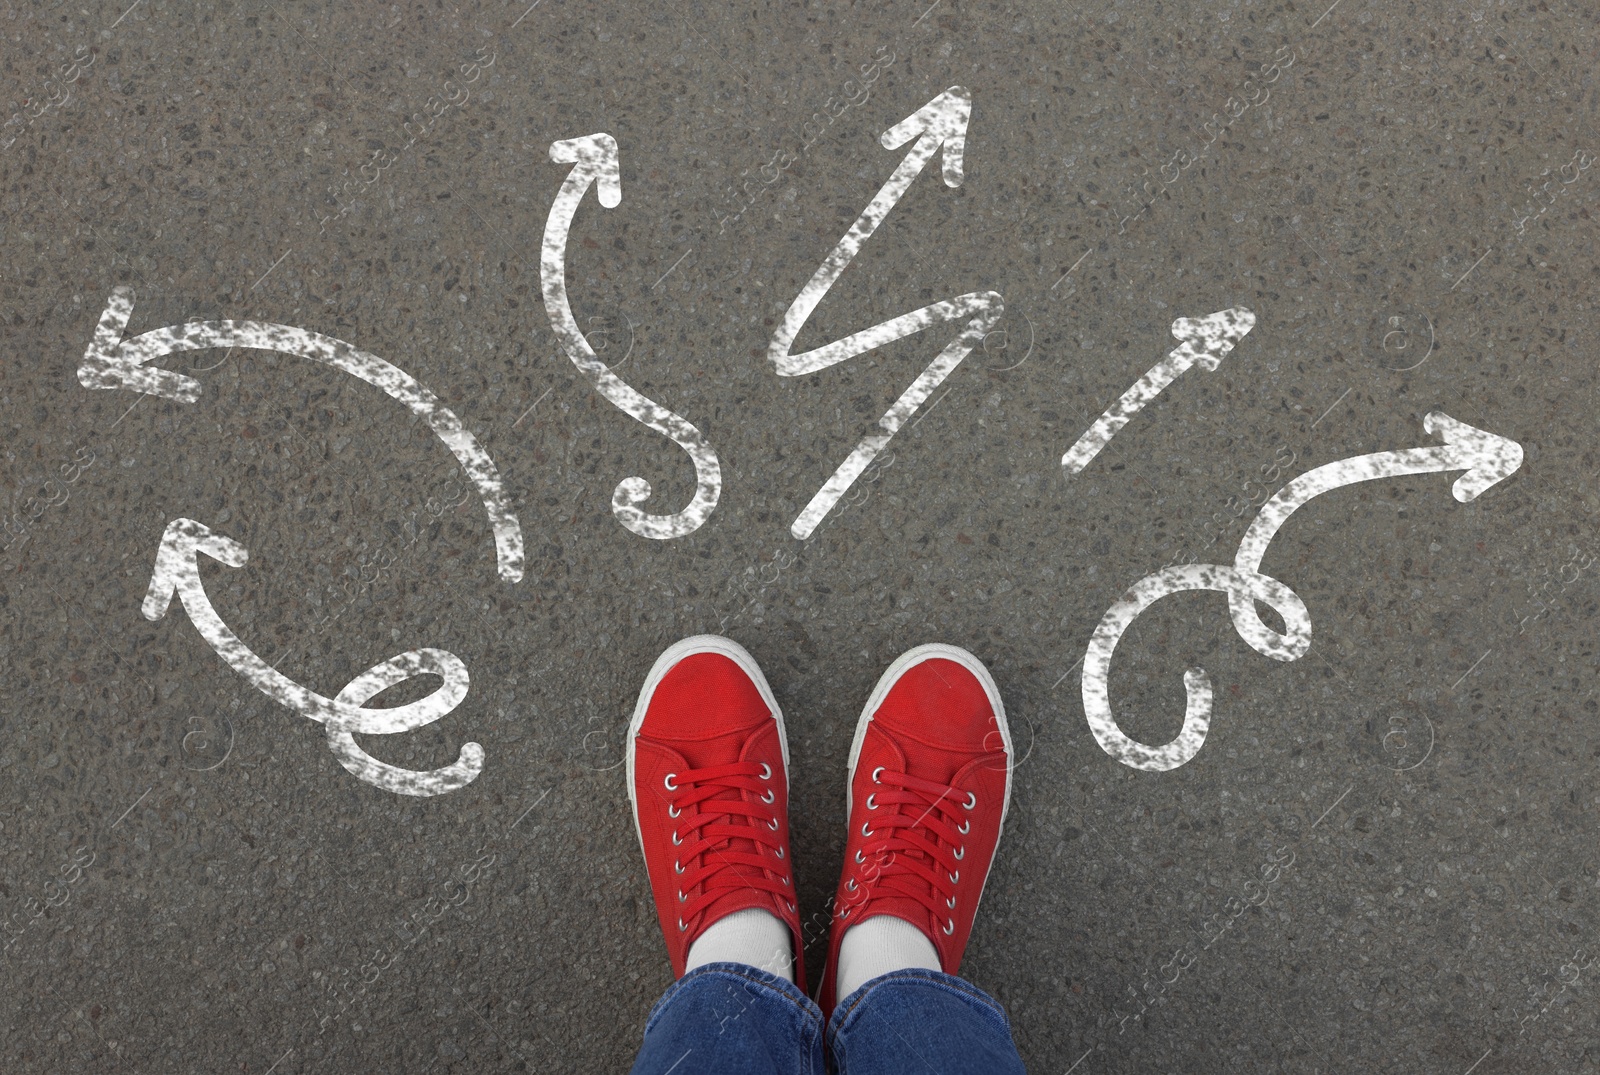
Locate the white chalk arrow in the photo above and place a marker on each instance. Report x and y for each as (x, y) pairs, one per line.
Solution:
(113, 362)
(177, 571)
(939, 124)
(1487, 458)
(1205, 340)
(594, 161)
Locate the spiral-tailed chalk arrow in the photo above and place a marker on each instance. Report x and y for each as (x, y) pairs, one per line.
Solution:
(1487, 458)
(1204, 340)
(594, 161)
(939, 124)
(113, 362)
(177, 571)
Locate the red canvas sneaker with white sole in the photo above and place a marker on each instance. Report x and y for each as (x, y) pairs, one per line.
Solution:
(708, 776)
(929, 782)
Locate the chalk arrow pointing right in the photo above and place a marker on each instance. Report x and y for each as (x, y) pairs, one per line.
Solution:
(1487, 458)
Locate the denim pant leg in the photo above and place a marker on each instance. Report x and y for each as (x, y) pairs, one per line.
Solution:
(732, 1019)
(921, 1022)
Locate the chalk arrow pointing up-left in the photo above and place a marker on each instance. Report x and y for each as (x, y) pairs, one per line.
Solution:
(177, 573)
(114, 362)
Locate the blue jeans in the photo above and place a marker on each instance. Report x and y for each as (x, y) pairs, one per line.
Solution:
(733, 1018)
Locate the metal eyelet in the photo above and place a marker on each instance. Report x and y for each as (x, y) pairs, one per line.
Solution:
(682, 925)
(673, 811)
(773, 825)
(681, 897)
(785, 881)
(850, 885)
(950, 903)
(844, 912)
(955, 878)
(960, 853)
(766, 771)
(949, 926)
(780, 852)
(668, 782)
(972, 800)
(677, 867)
(964, 828)
(791, 907)
(770, 796)
(859, 857)
(677, 841)
(875, 773)
(864, 830)
(870, 804)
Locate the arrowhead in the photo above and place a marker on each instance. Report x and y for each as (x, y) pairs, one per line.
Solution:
(1207, 340)
(178, 556)
(1488, 458)
(111, 363)
(945, 120)
(596, 158)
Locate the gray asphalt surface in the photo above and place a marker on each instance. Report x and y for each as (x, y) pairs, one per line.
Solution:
(1382, 858)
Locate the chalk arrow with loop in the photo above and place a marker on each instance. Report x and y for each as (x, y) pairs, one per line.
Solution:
(939, 125)
(177, 573)
(114, 362)
(594, 163)
(1487, 458)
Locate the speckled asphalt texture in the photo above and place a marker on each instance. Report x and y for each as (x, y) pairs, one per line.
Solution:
(1382, 857)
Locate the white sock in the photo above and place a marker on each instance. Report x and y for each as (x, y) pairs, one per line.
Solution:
(752, 936)
(876, 946)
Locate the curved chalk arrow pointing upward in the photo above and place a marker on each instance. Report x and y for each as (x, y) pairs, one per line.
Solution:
(1206, 340)
(594, 161)
(1487, 459)
(941, 123)
(177, 571)
(112, 362)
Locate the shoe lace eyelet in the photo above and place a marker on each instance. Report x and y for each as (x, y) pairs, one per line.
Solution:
(668, 782)
(955, 878)
(950, 903)
(766, 771)
(964, 828)
(875, 773)
(960, 853)
(682, 925)
(769, 796)
(784, 881)
(681, 897)
(871, 803)
(780, 852)
(791, 906)
(860, 858)
(677, 841)
(844, 912)
(773, 824)
(677, 867)
(972, 800)
(850, 885)
(949, 926)
(864, 830)
(673, 811)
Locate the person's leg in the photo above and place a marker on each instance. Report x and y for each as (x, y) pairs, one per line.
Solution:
(916, 1020)
(734, 1018)
(929, 783)
(708, 780)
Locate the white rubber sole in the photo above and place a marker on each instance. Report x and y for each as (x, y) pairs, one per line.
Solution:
(676, 652)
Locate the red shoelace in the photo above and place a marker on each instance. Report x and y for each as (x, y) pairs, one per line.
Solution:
(915, 832)
(708, 856)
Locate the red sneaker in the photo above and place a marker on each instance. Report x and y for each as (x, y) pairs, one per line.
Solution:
(930, 779)
(708, 777)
